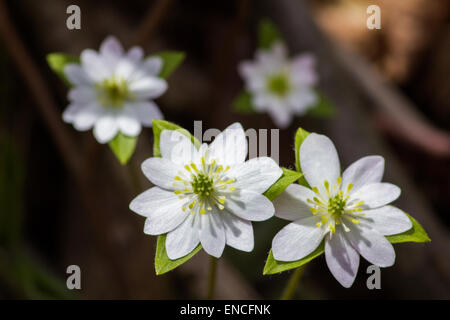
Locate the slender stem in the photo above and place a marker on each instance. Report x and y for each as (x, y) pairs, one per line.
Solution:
(212, 277)
(291, 286)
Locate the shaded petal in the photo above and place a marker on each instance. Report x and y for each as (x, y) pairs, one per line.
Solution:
(147, 87)
(366, 170)
(212, 233)
(176, 147)
(376, 195)
(152, 65)
(82, 95)
(303, 70)
(161, 172)
(373, 246)
(292, 203)
(111, 47)
(319, 161)
(238, 232)
(76, 75)
(185, 238)
(96, 68)
(135, 54)
(256, 174)
(280, 115)
(249, 205)
(129, 123)
(146, 111)
(342, 259)
(298, 239)
(105, 128)
(387, 220)
(230, 146)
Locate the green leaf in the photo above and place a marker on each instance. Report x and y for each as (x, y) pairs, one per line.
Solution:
(273, 266)
(300, 136)
(268, 34)
(159, 126)
(243, 103)
(323, 109)
(123, 147)
(162, 262)
(288, 177)
(415, 234)
(171, 61)
(57, 62)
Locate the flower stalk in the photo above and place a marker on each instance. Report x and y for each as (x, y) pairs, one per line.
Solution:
(212, 277)
(292, 284)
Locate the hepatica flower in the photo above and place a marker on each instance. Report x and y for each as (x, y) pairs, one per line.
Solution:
(207, 195)
(113, 90)
(351, 212)
(281, 86)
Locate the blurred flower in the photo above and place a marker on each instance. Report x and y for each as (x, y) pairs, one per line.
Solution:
(280, 86)
(351, 213)
(207, 195)
(112, 91)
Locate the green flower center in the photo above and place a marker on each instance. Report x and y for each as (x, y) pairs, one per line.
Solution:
(202, 185)
(279, 84)
(113, 92)
(336, 206)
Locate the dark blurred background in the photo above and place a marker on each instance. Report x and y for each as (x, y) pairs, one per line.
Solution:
(64, 198)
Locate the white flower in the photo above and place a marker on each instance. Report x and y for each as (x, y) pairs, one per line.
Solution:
(112, 91)
(207, 195)
(351, 212)
(280, 86)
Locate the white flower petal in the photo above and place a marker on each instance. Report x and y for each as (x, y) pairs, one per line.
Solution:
(366, 170)
(176, 147)
(387, 220)
(111, 47)
(376, 194)
(238, 232)
(373, 246)
(319, 161)
(212, 233)
(76, 75)
(96, 67)
(185, 238)
(342, 259)
(161, 172)
(230, 146)
(298, 239)
(303, 70)
(82, 95)
(152, 65)
(147, 111)
(105, 128)
(249, 205)
(162, 208)
(301, 100)
(147, 87)
(292, 205)
(256, 174)
(128, 124)
(280, 115)
(83, 117)
(135, 54)
(146, 202)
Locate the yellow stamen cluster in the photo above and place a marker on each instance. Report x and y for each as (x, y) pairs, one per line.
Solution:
(113, 92)
(203, 186)
(334, 207)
